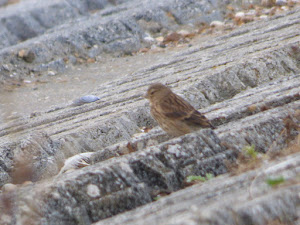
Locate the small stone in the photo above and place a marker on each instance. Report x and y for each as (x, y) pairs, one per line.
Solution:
(26, 55)
(159, 39)
(263, 17)
(93, 191)
(27, 81)
(239, 15)
(149, 39)
(56, 195)
(184, 33)
(9, 187)
(27, 182)
(91, 60)
(7, 67)
(6, 219)
(285, 8)
(173, 37)
(51, 73)
(22, 53)
(248, 19)
(144, 50)
(217, 23)
(162, 45)
(252, 108)
(241, 18)
(85, 99)
(35, 114)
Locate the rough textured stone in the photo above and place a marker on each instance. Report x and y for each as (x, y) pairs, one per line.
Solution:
(75, 32)
(203, 87)
(245, 81)
(225, 200)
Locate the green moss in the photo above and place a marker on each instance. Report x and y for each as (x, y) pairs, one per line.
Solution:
(273, 182)
(156, 197)
(250, 151)
(192, 178)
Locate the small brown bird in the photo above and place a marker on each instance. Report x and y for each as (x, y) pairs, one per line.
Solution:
(175, 115)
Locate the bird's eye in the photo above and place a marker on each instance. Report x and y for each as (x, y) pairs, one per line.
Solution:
(152, 92)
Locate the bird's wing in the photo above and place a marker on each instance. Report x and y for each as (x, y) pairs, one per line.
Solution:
(196, 118)
(176, 107)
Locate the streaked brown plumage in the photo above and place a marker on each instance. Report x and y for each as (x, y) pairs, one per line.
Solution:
(175, 115)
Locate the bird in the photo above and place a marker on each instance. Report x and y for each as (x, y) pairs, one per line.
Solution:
(76, 162)
(174, 114)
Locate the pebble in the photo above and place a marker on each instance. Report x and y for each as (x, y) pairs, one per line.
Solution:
(93, 191)
(90, 60)
(217, 23)
(173, 37)
(26, 55)
(159, 39)
(51, 73)
(239, 15)
(85, 99)
(285, 8)
(184, 33)
(149, 39)
(27, 182)
(263, 17)
(9, 187)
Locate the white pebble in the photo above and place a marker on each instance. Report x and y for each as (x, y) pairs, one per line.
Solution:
(93, 191)
(85, 99)
(285, 8)
(263, 17)
(217, 23)
(183, 33)
(149, 39)
(240, 15)
(51, 73)
(159, 39)
(9, 187)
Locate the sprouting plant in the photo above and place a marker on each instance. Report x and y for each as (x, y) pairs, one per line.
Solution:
(250, 151)
(156, 197)
(274, 181)
(195, 178)
(192, 178)
(209, 176)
